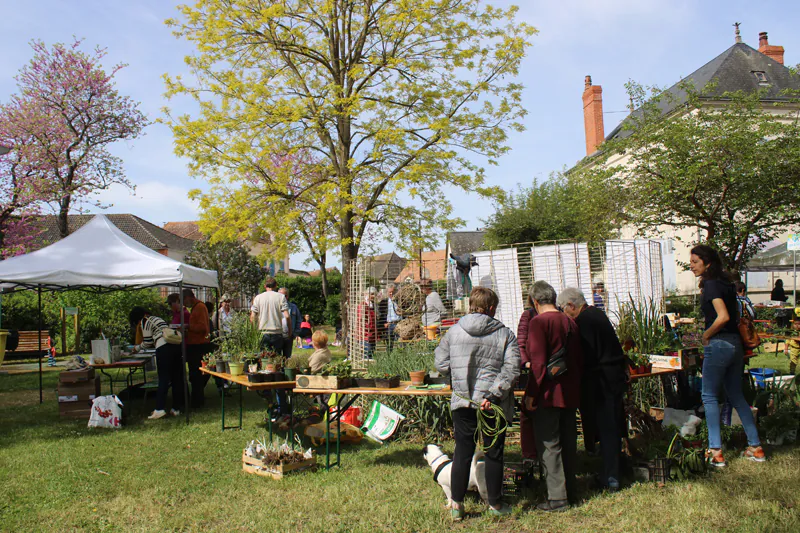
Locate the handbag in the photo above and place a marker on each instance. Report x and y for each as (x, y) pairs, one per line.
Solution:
(748, 333)
(557, 362)
(171, 336)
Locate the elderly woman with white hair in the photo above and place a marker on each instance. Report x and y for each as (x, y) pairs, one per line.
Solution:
(603, 382)
(553, 394)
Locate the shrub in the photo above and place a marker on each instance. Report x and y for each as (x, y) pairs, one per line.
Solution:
(306, 293)
(333, 311)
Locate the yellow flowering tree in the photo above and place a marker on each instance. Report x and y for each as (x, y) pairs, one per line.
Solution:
(351, 112)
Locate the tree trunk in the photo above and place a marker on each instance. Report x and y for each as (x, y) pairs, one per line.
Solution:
(63, 215)
(349, 252)
(324, 275)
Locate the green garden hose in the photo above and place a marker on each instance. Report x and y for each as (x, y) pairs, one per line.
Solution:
(492, 423)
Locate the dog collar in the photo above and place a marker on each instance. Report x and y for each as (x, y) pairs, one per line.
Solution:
(439, 470)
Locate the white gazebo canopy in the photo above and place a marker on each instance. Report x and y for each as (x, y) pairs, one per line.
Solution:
(99, 255)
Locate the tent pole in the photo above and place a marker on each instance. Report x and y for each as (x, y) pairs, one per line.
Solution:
(183, 356)
(41, 395)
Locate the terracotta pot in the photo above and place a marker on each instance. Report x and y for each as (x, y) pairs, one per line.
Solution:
(203, 364)
(269, 367)
(417, 377)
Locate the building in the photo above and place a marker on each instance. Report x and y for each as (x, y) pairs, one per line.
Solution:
(331, 270)
(740, 67)
(154, 237)
(191, 230)
(385, 267)
(434, 267)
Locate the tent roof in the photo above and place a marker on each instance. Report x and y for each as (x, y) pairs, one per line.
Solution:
(775, 259)
(99, 255)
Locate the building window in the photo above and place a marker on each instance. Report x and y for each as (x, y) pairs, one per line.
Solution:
(760, 76)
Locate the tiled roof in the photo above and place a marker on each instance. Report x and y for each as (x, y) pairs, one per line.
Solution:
(732, 70)
(188, 230)
(149, 234)
(317, 273)
(386, 267)
(434, 267)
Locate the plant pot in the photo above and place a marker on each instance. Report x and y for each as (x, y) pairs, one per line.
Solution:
(203, 364)
(438, 380)
(252, 367)
(269, 367)
(417, 377)
(220, 365)
(387, 383)
(290, 373)
(660, 469)
(634, 370)
(365, 383)
(648, 368)
(255, 377)
(642, 369)
(227, 367)
(237, 369)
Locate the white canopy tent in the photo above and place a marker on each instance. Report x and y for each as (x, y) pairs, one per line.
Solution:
(101, 258)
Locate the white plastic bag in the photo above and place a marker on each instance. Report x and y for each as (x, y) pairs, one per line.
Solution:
(382, 422)
(106, 412)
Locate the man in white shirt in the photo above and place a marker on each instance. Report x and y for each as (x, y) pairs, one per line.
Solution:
(269, 309)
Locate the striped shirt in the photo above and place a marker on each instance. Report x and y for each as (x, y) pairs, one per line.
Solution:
(153, 332)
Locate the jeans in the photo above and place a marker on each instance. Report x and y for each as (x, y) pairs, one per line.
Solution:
(198, 380)
(465, 423)
(391, 336)
(273, 341)
(723, 366)
(170, 373)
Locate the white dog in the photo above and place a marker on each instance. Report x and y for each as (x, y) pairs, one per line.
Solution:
(441, 465)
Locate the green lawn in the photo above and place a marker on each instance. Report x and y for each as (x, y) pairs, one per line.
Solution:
(163, 475)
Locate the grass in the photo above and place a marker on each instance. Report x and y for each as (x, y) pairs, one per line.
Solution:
(164, 475)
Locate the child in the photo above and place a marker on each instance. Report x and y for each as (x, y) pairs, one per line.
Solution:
(321, 355)
(793, 347)
(304, 334)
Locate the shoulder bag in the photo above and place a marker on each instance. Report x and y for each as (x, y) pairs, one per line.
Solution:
(748, 333)
(557, 362)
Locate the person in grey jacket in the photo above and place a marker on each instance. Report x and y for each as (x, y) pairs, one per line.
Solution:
(482, 357)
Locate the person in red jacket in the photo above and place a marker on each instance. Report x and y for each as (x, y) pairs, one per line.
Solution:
(554, 400)
(367, 325)
(526, 435)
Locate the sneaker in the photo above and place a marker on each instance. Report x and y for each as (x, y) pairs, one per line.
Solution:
(504, 510)
(457, 514)
(174, 412)
(553, 506)
(715, 458)
(755, 453)
(158, 413)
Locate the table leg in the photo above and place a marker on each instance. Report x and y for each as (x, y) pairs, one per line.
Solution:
(290, 399)
(240, 405)
(327, 438)
(339, 430)
(223, 408)
(110, 380)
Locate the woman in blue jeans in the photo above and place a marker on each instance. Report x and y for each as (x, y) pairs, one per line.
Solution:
(723, 362)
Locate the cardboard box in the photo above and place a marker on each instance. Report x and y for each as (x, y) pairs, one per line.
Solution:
(680, 360)
(75, 376)
(82, 391)
(75, 410)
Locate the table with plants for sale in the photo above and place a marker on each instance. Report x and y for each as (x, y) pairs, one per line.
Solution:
(243, 382)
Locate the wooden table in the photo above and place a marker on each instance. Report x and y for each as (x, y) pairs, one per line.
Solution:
(244, 383)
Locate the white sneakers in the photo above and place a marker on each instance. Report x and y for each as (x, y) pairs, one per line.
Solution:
(160, 413)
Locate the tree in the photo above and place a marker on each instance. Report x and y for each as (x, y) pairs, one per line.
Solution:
(394, 97)
(238, 272)
(68, 113)
(562, 207)
(728, 165)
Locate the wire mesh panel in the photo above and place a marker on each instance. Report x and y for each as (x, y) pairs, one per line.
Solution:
(499, 270)
(633, 271)
(563, 265)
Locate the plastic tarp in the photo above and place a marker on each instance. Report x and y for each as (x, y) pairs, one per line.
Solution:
(99, 255)
(775, 259)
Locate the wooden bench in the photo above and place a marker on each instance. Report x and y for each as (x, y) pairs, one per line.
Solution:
(29, 342)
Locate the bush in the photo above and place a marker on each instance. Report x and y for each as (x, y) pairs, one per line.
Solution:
(107, 313)
(333, 310)
(306, 293)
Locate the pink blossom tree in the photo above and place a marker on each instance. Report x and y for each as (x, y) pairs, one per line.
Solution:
(69, 113)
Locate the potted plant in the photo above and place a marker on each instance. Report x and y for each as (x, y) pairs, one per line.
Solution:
(386, 381)
(334, 375)
(417, 377)
(236, 365)
(362, 381)
(221, 363)
(295, 364)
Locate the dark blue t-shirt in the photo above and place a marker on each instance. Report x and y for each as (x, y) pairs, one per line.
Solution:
(717, 288)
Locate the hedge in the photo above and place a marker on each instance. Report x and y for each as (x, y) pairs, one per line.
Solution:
(306, 293)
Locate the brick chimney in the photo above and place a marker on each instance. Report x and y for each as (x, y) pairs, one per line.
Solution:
(593, 115)
(773, 52)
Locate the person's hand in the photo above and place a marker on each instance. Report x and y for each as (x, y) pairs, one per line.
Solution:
(530, 405)
(705, 340)
(527, 365)
(486, 405)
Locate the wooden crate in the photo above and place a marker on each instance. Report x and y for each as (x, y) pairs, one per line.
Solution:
(257, 466)
(305, 381)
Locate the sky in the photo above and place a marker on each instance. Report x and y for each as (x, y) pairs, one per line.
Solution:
(614, 41)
